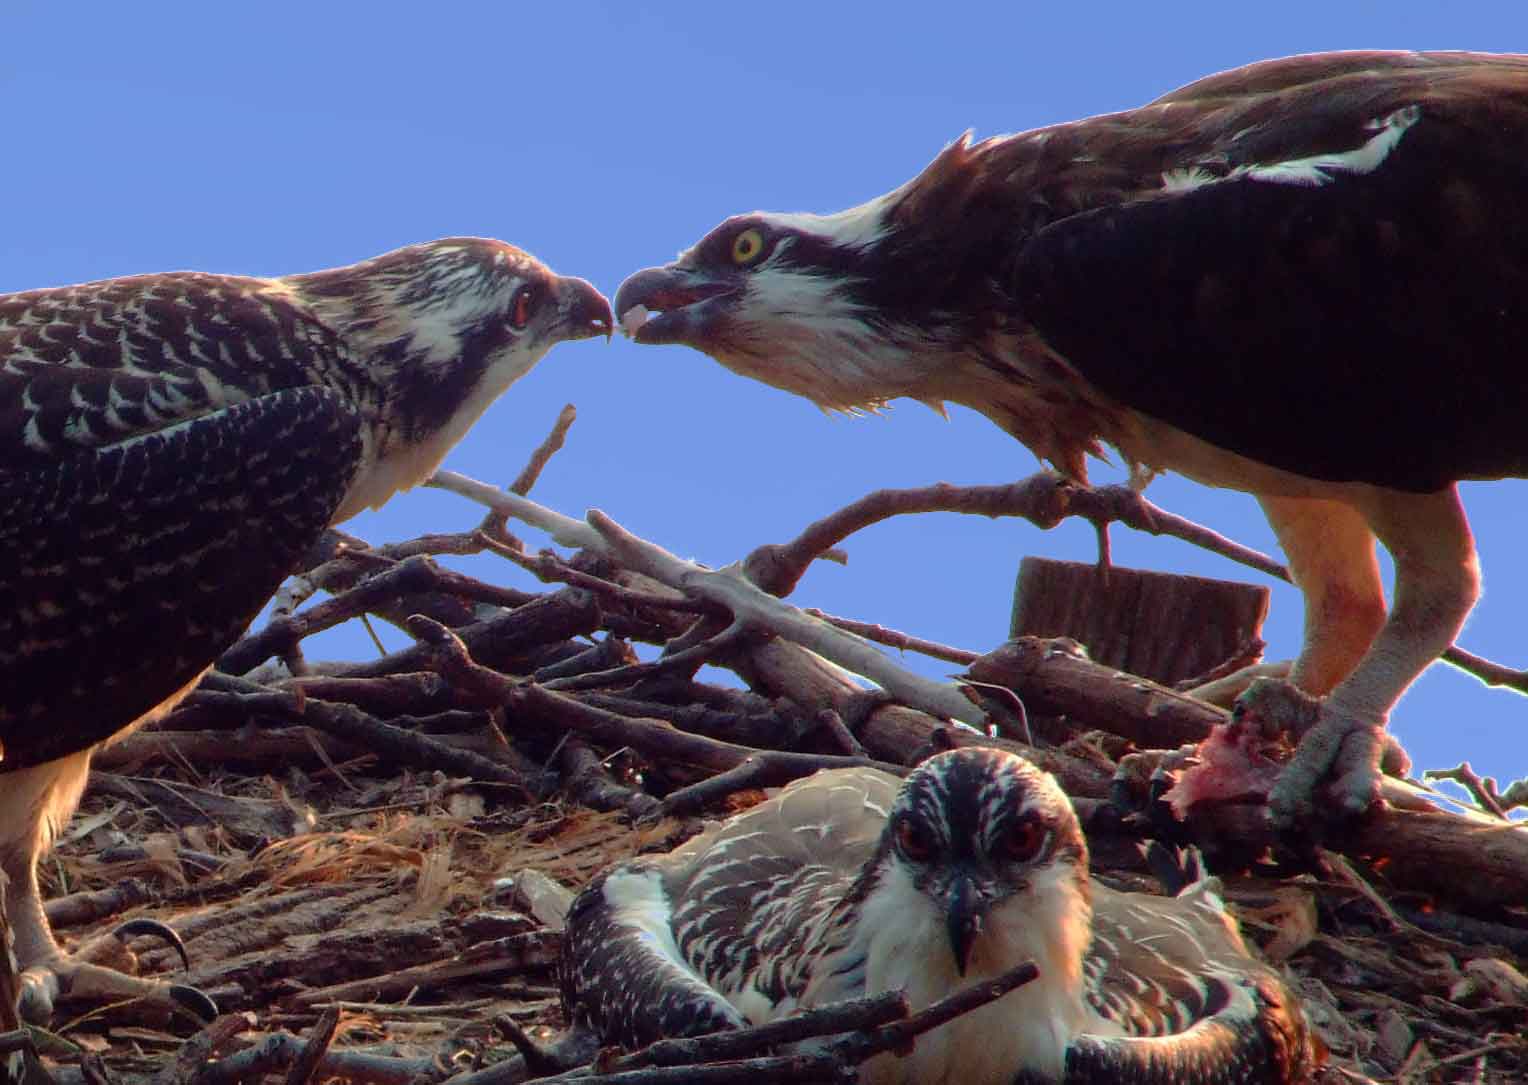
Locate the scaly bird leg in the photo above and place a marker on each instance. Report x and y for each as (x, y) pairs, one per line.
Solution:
(33, 802)
(1437, 581)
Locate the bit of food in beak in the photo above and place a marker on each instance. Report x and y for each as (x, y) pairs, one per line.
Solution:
(633, 319)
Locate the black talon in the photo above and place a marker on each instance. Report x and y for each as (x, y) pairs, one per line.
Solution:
(193, 1001)
(153, 926)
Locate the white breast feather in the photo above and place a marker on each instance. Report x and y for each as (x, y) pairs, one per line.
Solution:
(907, 947)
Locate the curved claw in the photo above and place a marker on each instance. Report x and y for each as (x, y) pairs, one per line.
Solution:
(193, 1001)
(135, 927)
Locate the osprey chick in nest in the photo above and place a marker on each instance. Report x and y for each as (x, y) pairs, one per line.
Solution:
(171, 444)
(854, 882)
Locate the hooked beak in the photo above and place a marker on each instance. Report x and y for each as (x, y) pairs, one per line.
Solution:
(964, 912)
(583, 310)
(667, 304)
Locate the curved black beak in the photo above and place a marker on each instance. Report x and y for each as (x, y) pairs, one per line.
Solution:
(655, 304)
(583, 310)
(964, 911)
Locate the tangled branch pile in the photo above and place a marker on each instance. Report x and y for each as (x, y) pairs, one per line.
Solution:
(369, 861)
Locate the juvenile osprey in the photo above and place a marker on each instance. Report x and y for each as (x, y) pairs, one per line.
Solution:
(853, 882)
(169, 446)
(1306, 279)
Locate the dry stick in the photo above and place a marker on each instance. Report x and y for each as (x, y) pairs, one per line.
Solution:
(747, 603)
(767, 768)
(344, 568)
(1044, 499)
(278, 1050)
(654, 737)
(686, 661)
(92, 906)
(350, 723)
(589, 783)
(355, 558)
(1483, 790)
(760, 611)
(313, 1051)
(190, 1061)
(512, 953)
(549, 568)
(894, 638)
(504, 635)
(545, 451)
(412, 576)
(1492, 674)
(275, 747)
(851, 1015)
(828, 1063)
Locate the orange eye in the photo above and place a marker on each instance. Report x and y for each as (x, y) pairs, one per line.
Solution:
(524, 305)
(1022, 842)
(747, 247)
(914, 841)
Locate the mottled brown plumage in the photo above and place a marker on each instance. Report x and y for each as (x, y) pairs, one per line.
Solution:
(171, 444)
(854, 882)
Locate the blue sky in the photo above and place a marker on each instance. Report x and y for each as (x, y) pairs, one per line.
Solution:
(282, 137)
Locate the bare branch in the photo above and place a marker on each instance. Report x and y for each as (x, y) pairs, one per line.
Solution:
(545, 451)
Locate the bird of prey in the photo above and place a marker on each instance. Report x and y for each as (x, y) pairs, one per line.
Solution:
(854, 882)
(1306, 279)
(170, 445)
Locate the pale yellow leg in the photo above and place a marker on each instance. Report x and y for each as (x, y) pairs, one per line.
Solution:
(1437, 580)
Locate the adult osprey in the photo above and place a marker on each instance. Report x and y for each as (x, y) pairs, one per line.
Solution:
(171, 444)
(1306, 279)
(854, 882)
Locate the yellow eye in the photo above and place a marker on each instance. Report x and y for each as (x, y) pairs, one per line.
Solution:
(747, 246)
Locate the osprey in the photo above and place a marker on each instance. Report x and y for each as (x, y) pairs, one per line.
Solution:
(171, 444)
(854, 882)
(1306, 279)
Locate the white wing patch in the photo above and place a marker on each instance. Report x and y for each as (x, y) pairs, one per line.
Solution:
(638, 899)
(1312, 170)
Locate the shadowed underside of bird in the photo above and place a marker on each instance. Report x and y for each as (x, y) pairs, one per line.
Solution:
(172, 444)
(854, 882)
(1306, 279)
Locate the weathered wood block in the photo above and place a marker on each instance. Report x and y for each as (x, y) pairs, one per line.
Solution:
(1162, 626)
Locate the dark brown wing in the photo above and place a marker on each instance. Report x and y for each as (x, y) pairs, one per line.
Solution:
(1365, 325)
(126, 570)
(90, 365)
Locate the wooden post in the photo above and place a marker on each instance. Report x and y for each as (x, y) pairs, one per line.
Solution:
(1162, 626)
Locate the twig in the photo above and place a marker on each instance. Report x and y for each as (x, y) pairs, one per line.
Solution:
(686, 661)
(758, 610)
(313, 1051)
(411, 576)
(655, 737)
(1044, 499)
(549, 568)
(545, 451)
(279, 1050)
(1340, 866)
(188, 1063)
(1484, 790)
(514, 953)
(828, 1064)
(589, 782)
(893, 638)
(832, 722)
(850, 1015)
(350, 723)
(766, 768)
